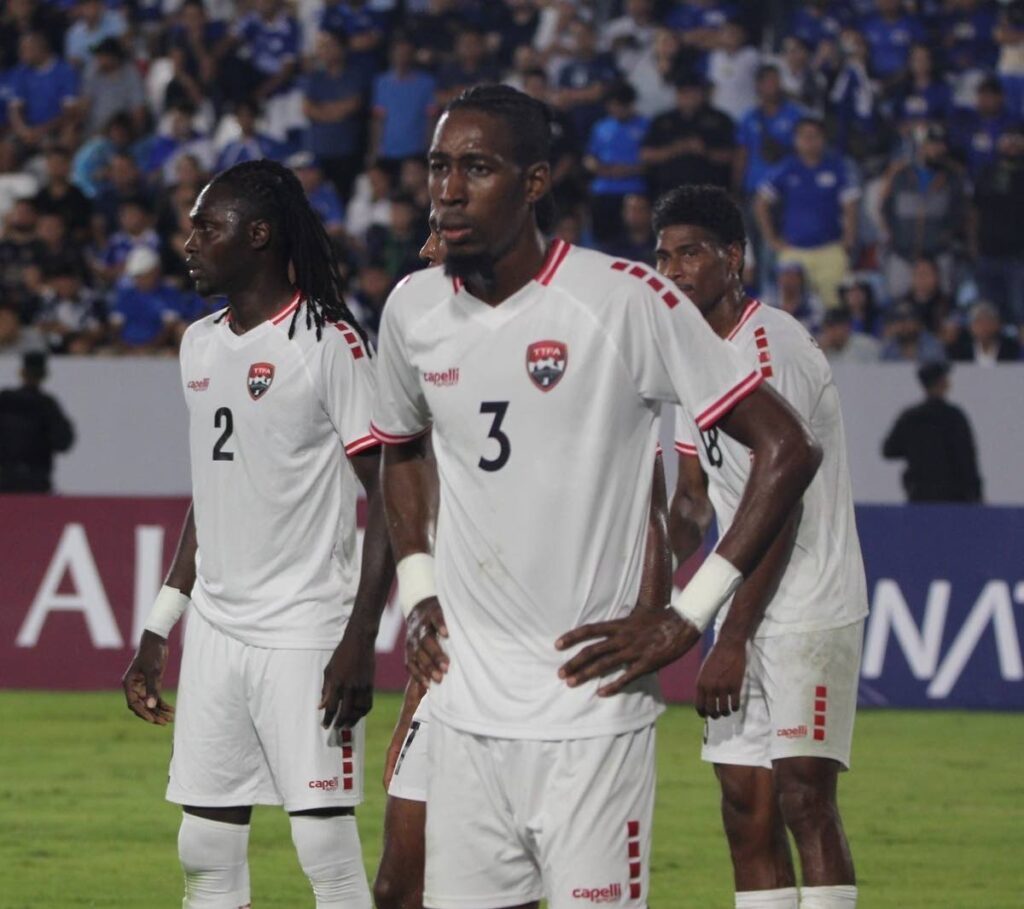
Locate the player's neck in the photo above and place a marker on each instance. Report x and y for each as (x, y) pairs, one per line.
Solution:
(725, 314)
(260, 301)
(513, 271)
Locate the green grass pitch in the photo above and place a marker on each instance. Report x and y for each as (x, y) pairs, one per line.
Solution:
(934, 810)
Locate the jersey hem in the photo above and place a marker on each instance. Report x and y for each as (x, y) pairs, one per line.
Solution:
(370, 441)
(273, 642)
(389, 438)
(711, 415)
(684, 449)
(804, 628)
(552, 733)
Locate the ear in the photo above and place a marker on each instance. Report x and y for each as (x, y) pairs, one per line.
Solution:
(736, 252)
(260, 234)
(538, 181)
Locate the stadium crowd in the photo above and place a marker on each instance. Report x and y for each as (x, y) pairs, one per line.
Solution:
(876, 146)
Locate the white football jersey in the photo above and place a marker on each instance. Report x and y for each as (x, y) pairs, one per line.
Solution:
(271, 422)
(823, 585)
(544, 419)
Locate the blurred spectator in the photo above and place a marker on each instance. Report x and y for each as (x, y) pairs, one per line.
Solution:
(136, 231)
(413, 179)
(95, 22)
(361, 28)
(923, 205)
(71, 317)
(853, 106)
(193, 43)
(33, 428)
(146, 309)
(613, 157)
(333, 98)
(60, 196)
(20, 252)
(567, 185)
(814, 22)
(470, 66)
(653, 75)
(699, 21)
(630, 37)
(765, 134)
(936, 441)
(926, 295)
(322, 195)
(112, 85)
(516, 29)
(92, 159)
(123, 181)
(984, 342)
(44, 94)
(889, 34)
(436, 27)
(841, 344)
(793, 296)
(967, 35)
(857, 295)
(636, 239)
(692, 144)
(923, 95)
(976, 133)
(817, 196)
(373, 284)
(181, 138)
(403, 107)
(732, 71)
(906, 338)
(397, 246)
(56, 249)
(15, 183)
(19, 17)
(250, 145)
(995, 240)
(584, 81)
(802, 82)
(370, 204)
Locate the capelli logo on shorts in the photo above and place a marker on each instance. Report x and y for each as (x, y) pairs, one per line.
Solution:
(610, 894)
(330, 785)
(444, 379)
(794, 732)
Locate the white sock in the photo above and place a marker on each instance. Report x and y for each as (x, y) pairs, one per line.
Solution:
(332, 859)
(784, 898)
(213, 856)
(841, 897)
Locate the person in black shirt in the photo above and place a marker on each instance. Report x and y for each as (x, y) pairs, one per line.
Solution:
(33, 427)
(936, 441)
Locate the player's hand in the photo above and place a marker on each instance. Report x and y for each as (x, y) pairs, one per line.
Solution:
(141, 681)
(720, 679)
(414, 692)
(347, 693)
(424, 656)
(641, 643)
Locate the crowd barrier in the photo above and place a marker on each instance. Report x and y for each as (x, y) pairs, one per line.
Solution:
(946, 585)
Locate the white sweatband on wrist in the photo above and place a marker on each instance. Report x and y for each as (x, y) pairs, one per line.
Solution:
(715, 581)
(167, 609)
(415, 580)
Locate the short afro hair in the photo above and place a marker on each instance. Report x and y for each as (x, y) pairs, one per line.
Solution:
(707, 207)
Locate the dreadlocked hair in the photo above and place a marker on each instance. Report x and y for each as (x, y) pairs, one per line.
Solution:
(274, 194)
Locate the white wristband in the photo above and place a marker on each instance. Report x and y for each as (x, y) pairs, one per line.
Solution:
(167, 609)
(715, 581)
(415, 580)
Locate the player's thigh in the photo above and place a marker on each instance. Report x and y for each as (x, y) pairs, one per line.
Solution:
(400, 874)
(742, 739)
(217, 760)
(476, 857)
(598, 805)
(312, 767)
(810, 682)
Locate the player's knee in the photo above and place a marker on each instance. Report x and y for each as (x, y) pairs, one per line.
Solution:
(807, 802)
(748, 808)
(213, 856)
(330, 855)
(392, 891)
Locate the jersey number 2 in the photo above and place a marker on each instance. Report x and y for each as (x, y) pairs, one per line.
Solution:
(223, 415)
(498, 409)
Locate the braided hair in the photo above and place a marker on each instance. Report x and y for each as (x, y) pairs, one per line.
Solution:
(274, 193)
(528, 120)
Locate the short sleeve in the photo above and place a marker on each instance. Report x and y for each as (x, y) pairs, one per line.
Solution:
(348, 386)
(673, 354)
(685, 434)
(400, 412)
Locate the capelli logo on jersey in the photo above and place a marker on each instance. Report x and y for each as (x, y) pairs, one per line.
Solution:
(445, 378)
(330, 785)
(793, 732)
(610, 894)
(259, 379)
(199, 384)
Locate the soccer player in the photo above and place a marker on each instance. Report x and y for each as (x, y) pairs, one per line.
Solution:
(279, 388)
(540, 369)
(779, 687)
(399, 883)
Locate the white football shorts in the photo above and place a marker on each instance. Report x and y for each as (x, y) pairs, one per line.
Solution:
(799, 699)
(247, 728)
(510, 821)
(409, 781)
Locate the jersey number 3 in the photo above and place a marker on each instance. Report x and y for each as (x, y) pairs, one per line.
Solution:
(498, 410)
(223, 415)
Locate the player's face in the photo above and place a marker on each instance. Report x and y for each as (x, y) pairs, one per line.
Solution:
(700, 266)
(216, 249)
(433, 250)
(481, 195)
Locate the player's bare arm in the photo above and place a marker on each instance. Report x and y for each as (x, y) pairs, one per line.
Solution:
(649, 630)
(408, 495)
(141, 680)
(691, 513)
(414, 692)
(347, 694)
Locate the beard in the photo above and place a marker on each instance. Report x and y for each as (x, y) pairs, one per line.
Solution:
(475, 267)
